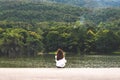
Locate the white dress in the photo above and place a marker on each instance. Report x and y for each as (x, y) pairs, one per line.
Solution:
(61, 62)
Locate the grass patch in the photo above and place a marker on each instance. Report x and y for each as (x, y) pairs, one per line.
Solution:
(52, 53)
(73, 61)
(117, 52)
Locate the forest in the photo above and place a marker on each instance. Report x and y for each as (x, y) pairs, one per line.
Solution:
(27, 28)
(90, 3)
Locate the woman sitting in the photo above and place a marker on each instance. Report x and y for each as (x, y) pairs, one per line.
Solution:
(60, 59)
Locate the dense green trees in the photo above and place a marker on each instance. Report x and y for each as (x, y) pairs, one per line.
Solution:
(33, 11)
(27, 39)
(103, 15)
(107, 37)
(19, 42)
(75, 37)
(58, 37)
(106, 41)
(27, 28)
(84, 38)
(90, 3)
(26, 11)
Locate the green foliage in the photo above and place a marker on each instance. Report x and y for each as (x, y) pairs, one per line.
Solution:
(29, 39)
(90, 3)
(19, 42)
(106, 41)
(57, 37)
(28, 27)
(38, 11)
(103, 15)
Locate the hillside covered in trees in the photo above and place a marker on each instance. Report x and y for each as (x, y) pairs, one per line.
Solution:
(81, 3)
(44, 11)
(28, 27)
(39, 11)
(92, 3)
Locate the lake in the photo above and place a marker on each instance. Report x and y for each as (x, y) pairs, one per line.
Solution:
(73, 61)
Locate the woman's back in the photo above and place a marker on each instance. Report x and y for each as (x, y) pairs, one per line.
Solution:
(60, 59)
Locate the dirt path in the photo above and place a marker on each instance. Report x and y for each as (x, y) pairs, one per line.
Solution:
(59, 74)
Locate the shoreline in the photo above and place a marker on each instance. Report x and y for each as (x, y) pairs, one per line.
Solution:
(59, 74)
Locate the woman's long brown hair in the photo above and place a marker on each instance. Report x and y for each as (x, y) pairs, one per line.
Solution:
(59, 54)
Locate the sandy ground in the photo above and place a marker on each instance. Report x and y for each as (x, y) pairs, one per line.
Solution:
(59, 74)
